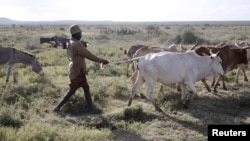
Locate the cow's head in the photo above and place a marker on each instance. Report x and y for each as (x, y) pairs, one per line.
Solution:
(216, 63)
(241, 55)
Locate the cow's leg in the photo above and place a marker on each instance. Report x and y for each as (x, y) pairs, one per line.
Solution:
(217, 83)
(9, 67)
(244, 73)
(216, 80)
(127, 68)
(135, 88)
(183, 93)
(150, 94)
(133, 66)
(206, 85)
(237, 74)
(14, 74)
(213, 81)
(133, 78)
(192, 87)
(241, 67)
(223, 82)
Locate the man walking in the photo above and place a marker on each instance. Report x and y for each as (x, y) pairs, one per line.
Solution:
(77, 52)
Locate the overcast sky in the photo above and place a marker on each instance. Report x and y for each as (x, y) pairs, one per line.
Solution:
(126, 10)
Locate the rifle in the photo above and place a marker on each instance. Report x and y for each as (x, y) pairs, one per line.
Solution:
(58, 41)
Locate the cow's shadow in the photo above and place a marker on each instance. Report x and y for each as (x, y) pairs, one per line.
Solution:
(213, 108)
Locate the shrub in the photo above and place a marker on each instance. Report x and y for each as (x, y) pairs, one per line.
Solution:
(43, 136)
(121, 31)
(125, 31)
(189, 37)
(152, 29)
(7, 120)
(10, 99)
(133, 113)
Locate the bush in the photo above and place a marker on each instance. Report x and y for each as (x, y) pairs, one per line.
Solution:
(189, 37)
(133, 113)
(121, 31)
(7, 120)
(153, 29)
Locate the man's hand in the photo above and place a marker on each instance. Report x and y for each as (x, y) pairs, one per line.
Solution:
(105, 61)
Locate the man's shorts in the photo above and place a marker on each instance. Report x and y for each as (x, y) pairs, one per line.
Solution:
(79, 81)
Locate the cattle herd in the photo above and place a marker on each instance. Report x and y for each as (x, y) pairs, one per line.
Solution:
(185, 67)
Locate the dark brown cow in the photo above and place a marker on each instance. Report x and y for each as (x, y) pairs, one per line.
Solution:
(242, 67)
(230, 57)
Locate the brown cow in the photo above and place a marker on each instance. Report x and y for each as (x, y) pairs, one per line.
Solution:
(230, 57)
(130, 52)
(242, 67)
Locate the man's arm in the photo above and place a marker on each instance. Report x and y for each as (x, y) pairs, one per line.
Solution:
(81, 49)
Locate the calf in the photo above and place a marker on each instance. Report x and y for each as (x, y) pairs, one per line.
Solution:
(170, 68)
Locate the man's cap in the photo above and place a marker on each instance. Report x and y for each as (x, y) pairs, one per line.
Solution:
(74, 29)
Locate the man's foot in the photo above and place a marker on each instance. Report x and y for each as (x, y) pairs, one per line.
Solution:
(95, 110)
(58, 112)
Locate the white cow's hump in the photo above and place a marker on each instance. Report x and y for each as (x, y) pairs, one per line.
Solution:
(163, 58)
(168, 55)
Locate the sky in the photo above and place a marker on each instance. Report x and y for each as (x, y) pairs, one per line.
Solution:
(126, 10)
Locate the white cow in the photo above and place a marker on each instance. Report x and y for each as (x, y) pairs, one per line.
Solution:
(171, 67)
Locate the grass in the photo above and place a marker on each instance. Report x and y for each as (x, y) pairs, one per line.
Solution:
(26, 107)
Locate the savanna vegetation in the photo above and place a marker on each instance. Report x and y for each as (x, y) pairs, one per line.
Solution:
(26, 107)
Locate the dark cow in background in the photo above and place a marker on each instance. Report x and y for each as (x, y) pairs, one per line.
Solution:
(242, 67)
